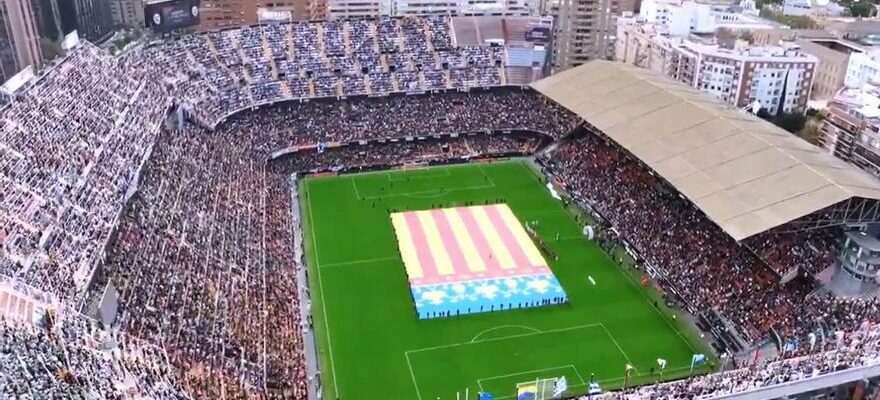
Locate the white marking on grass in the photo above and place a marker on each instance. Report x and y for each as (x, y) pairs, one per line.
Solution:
(641, 291)
(480, 166)
(356, 192)
(367, 261)
(502, 327)
(429, 193)
(593, 281)
(412, 375)
(571, 328)
(617, 344)
(573, 368)
(321, 285)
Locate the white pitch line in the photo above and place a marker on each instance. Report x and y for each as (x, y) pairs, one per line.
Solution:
(412, 375)
(571, 328)
(367, 261)
(492, 378)
(321, 285)
(354, 184)
(429, 193)
(489, 178)
(616, 344)
(502, 327)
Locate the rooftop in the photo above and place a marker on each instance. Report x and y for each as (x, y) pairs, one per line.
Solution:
(744, 173)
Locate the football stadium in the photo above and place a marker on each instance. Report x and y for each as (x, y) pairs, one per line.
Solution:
(399, 208)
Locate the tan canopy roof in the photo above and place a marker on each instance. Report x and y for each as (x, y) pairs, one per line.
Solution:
(746, 174)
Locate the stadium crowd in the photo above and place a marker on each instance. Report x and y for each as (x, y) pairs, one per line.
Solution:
(72, 146)
(197, 228)
(204, 248)
(859, 348)
(702, 264)
(217, 73)
(65, 361)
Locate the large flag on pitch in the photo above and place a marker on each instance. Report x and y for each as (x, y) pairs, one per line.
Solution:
(485, 396)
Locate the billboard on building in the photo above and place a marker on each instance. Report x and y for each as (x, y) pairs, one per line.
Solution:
(539, 31)
(165, 16)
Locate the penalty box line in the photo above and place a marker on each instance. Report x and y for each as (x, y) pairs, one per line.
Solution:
(356, 262)
(424, 193)
(537, 332)
(561, 367)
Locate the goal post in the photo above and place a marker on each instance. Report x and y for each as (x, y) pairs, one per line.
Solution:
(538, 389)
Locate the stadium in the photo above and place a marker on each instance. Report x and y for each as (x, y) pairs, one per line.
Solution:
(395, 209)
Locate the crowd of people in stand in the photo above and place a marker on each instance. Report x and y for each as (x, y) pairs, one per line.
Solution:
(219, 72)
(786, 249)
(70, 147)
(704, 266)
(205, 247)
(194, 228)
(65, 361)
(859, 348)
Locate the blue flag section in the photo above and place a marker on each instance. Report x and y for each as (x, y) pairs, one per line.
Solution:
(485, 396)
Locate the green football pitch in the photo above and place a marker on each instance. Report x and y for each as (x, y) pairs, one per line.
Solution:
(372, 346)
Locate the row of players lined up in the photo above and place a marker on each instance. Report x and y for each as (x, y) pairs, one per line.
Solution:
(223, 71)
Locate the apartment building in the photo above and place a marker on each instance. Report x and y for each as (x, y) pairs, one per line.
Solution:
(780, 78)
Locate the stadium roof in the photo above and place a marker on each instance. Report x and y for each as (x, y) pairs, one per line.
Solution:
(744, 173)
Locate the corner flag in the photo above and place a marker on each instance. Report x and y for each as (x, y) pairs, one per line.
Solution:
(661, 362)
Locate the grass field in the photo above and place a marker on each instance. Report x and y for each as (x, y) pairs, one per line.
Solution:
(373, 347)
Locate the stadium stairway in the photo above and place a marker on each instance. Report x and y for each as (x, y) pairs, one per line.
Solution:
(517, 75)
(346, 38)
(321, 45)
(267, 53)
(375, 32)
(233, 39)
(422, 83)
(428, 36)
(394, 83)
(290, 46)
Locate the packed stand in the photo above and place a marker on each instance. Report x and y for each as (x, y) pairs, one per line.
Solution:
(65, 360)
(385, 155)
(73, 145)
(843, 350)
(700, 263)
(204, 260)
(810, 251)
(219, 73)
(359, 119)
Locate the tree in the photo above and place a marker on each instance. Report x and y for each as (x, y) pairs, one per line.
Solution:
(862, 9)
(794, 21)
(51, 49)
(792, 122)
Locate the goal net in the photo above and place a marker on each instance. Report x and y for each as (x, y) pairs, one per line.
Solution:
(539, 389)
